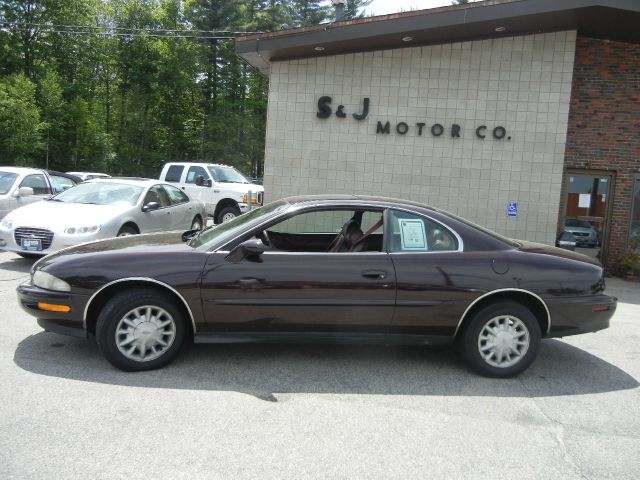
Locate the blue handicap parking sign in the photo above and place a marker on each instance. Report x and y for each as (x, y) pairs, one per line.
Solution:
(512, 209)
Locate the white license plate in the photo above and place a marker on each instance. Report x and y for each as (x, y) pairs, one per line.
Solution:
(31, 244)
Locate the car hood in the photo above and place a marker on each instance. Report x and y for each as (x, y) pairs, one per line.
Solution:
(132, 244)
(540, 248)
(241, 187)
(57, 216)
(578, 229)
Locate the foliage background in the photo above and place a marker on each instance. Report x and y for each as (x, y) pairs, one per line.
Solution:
(123, 86)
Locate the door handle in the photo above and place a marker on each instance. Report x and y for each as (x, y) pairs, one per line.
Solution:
(374, 274)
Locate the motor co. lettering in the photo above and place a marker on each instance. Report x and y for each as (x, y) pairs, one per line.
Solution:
(402, 128)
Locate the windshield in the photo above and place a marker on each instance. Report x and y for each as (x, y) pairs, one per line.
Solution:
(572, 222)
(6, 180)
(227, 175)
(238, 224)
(101, 194)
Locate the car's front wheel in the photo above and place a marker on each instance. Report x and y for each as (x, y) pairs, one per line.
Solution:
(140, 329)
(227, 214)
(501, 340)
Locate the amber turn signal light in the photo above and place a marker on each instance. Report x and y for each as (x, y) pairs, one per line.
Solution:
(49, 307)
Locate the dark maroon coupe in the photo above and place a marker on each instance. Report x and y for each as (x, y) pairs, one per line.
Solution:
(325, 268)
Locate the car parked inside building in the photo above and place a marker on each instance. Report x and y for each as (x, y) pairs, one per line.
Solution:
(327, 269)
(586, 235)
(21, 186)
(98, 209)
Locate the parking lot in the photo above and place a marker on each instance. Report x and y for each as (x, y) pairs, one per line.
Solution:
(284, 411)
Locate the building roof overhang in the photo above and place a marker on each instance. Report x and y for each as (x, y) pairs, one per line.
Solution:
(607, 19)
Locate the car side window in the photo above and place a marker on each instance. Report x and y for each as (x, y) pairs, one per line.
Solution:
(319, 231)
(174, 173)
(195, 172)
(176, 196)
(37, 182)
(158, 195)
(60, 184)
(413, 233)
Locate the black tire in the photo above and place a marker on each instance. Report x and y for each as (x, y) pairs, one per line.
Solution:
(196, 223)
(227, 212)
(127, 230)
(119, 308)
(520, 319)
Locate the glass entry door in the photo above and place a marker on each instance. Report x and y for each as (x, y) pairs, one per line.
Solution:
(587, 207)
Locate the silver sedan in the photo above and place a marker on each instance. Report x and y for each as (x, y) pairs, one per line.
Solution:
(98, 209)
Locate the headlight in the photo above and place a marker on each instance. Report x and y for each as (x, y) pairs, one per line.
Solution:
(49, 282)
(82, 230)
(6, 224)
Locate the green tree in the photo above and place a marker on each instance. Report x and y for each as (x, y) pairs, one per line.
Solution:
(20, 126)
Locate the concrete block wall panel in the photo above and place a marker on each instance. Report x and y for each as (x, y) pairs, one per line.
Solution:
(520, 83)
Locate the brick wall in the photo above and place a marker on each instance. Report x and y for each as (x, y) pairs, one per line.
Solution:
(604, 124)
(521, 83)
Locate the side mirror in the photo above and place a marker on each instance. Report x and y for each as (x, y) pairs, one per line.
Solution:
(209, 183)
(201, 182)
(250, 249)
(24, 192)
(151, 206)
(189, 234)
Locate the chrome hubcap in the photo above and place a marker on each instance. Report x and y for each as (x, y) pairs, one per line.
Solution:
(145, 333)
(503, 341)
(227, 217)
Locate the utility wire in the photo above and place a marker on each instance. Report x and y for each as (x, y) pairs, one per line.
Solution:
(57, 26)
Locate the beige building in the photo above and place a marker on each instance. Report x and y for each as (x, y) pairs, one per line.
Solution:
(466, 108)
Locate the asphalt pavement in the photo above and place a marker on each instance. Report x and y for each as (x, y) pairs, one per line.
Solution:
(284, 411)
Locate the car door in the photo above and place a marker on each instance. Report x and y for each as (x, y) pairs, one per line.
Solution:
(436, 280)
(302, 288)
(40, 186)
(159, 219)
(182, 210)
(201, 192)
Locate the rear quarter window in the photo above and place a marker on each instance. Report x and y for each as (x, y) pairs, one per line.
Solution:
(174, 173)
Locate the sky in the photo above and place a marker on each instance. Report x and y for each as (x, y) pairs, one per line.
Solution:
(383, 7)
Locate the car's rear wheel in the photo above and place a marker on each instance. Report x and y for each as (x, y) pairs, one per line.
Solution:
(140, 329)
(501, 340)
(127, 230)
(196, 224)
(227, 214)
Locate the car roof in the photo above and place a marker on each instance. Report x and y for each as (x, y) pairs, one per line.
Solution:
(337, 198)
(142, 182)
(11, 169)
(201, 164)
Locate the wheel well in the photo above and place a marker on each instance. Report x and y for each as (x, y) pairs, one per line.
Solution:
(98, 303)
(222, 204)
(132, 225)
(528, 300)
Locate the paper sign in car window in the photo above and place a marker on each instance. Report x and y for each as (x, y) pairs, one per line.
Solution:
(412, 234)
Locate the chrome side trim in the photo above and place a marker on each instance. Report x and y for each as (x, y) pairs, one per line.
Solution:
(137, 279)
(493, 292)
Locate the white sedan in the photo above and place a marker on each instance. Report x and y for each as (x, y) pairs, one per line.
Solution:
(98, 209)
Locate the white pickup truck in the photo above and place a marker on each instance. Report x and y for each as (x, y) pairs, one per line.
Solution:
(223, 189)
